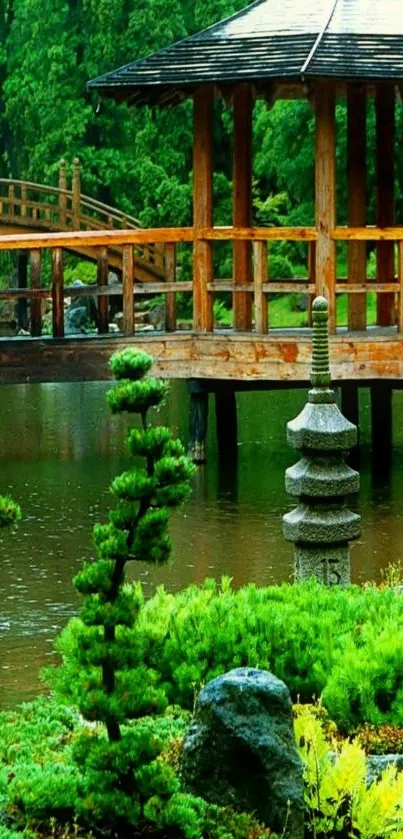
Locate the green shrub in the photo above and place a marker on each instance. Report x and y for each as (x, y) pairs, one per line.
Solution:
(317, 640)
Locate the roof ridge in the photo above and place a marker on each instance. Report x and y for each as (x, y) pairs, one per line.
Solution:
(319, 38)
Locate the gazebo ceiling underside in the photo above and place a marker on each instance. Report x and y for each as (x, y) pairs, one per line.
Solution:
(271, 40)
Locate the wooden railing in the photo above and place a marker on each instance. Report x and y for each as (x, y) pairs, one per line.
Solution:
(132, 243)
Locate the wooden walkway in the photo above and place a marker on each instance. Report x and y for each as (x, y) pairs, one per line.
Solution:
(259, 354)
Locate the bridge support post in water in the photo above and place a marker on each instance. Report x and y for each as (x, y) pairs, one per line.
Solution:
(321, 527)
(22, 303)
(198, 419)
(381, 424)
(226, 422)
(350, 408)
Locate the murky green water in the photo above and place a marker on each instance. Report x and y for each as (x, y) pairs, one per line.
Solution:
(59, 448)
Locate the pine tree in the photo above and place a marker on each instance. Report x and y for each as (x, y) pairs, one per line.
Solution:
(124, 781)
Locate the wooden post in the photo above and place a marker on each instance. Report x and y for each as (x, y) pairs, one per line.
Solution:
(350, 406)
(102, 282)
(36, 303)
(357, 199)
(128, 289)
(57, 293)
(385, 202)
(242, 202)
(261, 276)
(202, 208)
(381, 424)
(63, 193)
(226, 423)
(400, 278)
(22, 302)
(311, 278)
(76, 190)
(23, 200)
(170, 276)
(325, 189)
(11, 196)
(198, 420)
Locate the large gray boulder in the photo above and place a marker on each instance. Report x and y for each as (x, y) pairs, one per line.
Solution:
(240, 749)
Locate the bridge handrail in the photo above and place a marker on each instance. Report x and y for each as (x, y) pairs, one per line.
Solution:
(85, 200)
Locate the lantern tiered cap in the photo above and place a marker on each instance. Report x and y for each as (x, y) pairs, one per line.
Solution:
(271, 40)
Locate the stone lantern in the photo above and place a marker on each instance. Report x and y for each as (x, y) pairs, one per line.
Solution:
(322, 526)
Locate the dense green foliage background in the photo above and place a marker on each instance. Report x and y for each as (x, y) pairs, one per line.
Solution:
(140, 159)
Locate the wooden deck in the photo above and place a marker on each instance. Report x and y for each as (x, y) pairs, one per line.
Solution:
(258, 354)
(279, 359)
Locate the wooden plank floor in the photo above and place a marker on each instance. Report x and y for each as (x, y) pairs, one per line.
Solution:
(281, 358)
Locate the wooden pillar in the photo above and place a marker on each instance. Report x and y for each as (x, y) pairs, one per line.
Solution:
(357, 199)
(36, 303)
(203, 101)
(242, 202)
(226, 423)
(198, 419)
(128, 289)
(385, 202)
(102, 282)
(170, 298)
(350, 406)
(22, 303)
(57, 293)
(381, 423)
(260, 278)
(325, 191)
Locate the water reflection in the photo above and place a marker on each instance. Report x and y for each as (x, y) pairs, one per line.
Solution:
(59, 449)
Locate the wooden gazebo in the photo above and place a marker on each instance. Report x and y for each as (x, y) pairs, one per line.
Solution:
(273, 49)
(288, 49)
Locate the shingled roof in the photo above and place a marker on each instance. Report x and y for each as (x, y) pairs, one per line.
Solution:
(284, 40)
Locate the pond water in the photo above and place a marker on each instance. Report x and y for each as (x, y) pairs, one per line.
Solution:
(59, 449)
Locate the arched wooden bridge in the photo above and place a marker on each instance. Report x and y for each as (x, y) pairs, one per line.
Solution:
(32, 208)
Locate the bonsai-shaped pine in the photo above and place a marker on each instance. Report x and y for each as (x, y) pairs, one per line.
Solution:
(124, 781)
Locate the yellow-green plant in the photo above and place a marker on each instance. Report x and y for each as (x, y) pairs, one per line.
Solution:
(339, 801)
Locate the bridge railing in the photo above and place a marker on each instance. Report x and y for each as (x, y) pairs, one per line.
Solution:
(37, 206)
(251, 300)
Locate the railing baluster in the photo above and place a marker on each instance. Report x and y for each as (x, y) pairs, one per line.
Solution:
(102, 281)
(11, 196)
(128, 290)
(170, 276)
(23, 200)
(260, 277)
(57, 293)
(36, 303)
(400, 295)
(63, 193)
(76, 194)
